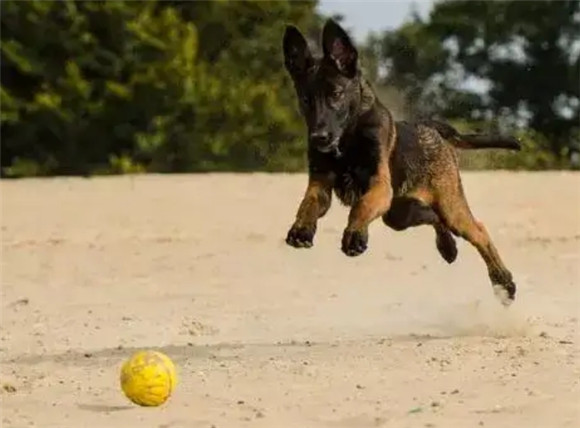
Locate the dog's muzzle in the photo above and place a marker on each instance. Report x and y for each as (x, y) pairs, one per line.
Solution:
(324, 142)
(332, 147)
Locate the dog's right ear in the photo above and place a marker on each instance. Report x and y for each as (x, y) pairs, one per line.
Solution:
(297, 56)
(337, 46)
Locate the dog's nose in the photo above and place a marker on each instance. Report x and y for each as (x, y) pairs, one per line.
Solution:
(320, 138)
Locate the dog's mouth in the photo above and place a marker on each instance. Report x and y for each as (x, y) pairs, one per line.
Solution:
(331, 147)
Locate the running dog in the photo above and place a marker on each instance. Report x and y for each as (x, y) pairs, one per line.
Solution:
(404, 172)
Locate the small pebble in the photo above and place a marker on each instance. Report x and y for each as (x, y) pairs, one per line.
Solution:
(9, 388)
(20, 302)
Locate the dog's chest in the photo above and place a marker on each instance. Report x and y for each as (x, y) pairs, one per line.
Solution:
(352, 181)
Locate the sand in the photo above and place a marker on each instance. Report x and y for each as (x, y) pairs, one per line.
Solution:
(265, 335)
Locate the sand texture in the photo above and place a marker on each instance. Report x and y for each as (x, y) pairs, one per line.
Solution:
(265, 335)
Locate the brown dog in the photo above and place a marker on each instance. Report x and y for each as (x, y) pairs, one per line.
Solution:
(406, 173)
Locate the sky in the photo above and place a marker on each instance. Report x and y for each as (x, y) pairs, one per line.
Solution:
(363, 16)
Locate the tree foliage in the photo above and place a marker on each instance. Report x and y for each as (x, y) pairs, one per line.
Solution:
(512, 63)
(164, 86)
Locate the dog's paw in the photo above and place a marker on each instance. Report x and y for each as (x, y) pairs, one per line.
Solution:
(354, 242)
(301, 236)
(504, 287)
(505, 293)
(447, 247)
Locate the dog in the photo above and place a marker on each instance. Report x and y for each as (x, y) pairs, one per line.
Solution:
(404, 172)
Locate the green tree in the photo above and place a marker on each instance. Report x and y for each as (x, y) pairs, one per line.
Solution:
(515, 63)
(86, 83)
(123, 86)
(247, 107)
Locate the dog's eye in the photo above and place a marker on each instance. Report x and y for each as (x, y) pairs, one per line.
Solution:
(305, 100)
(337, 93)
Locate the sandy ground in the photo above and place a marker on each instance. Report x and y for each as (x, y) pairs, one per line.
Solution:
(265, 335)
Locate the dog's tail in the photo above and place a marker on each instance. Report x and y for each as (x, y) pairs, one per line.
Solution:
(473, 141)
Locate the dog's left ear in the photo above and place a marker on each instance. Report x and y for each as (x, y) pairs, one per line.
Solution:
(338, 47)
(297, 56)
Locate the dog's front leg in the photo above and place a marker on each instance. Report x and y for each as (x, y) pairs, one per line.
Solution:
(373, 204)
(314, 205)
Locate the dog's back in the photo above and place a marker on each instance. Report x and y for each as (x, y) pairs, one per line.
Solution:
(419, 156)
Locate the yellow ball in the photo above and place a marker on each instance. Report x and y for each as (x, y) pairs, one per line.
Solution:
(148, 378)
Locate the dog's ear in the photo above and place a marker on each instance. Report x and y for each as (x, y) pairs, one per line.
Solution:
(338, 47)
(297, 56)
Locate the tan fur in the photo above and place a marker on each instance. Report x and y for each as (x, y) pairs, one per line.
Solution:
(426, 170)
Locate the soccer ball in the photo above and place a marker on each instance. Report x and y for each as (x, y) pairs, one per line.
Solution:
(148, 378)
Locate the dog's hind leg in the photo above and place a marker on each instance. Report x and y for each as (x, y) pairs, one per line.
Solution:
(455, 213)
(408, 212)
(445, 243)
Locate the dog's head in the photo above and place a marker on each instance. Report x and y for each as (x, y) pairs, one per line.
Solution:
(328, 88)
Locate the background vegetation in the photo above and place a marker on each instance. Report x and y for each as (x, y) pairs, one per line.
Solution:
(93, 87)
